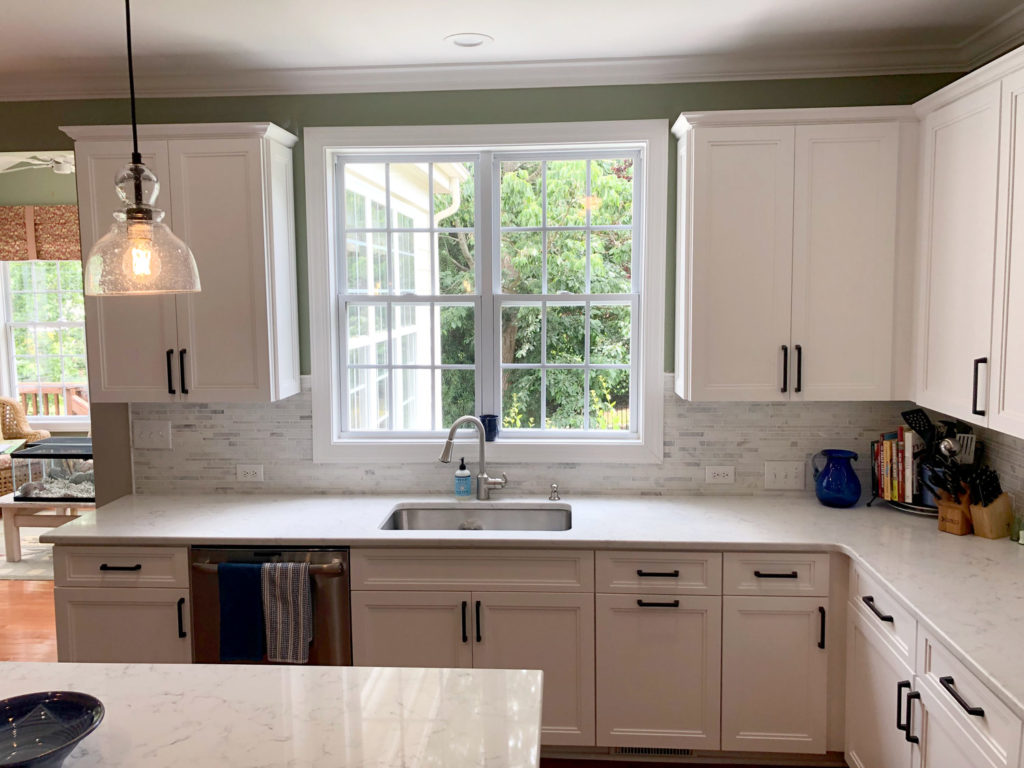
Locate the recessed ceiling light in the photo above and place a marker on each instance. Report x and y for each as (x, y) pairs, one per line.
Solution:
(469, 39)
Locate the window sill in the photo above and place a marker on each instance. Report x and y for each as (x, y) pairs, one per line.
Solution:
(61, 423)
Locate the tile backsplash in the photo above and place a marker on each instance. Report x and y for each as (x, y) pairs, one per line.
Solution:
(209, 440)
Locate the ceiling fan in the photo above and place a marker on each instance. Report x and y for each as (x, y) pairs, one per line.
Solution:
(58, 162)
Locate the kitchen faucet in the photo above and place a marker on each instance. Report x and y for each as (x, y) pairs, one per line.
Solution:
(484, 484)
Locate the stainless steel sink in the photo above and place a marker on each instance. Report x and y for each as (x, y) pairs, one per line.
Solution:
(479, 516)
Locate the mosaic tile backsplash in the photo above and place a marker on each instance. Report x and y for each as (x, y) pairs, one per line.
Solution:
(209, 440)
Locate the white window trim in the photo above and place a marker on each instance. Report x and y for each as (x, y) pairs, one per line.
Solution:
(320, 144)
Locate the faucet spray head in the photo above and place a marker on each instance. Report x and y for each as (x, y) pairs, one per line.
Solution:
(446, 452)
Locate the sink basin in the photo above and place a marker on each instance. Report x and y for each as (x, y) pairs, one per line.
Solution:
(479, 516)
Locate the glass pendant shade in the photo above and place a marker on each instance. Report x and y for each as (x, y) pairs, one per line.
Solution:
(140, 254)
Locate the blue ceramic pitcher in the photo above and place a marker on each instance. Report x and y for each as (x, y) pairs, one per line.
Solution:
(836, 484)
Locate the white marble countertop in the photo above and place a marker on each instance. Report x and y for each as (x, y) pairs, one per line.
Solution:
(967, 590)
(252, 716)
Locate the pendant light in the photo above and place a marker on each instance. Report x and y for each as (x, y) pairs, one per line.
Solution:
(139, 255)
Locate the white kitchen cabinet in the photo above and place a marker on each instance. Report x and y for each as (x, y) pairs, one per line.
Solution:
(878, 681)
(774, 674)
(115, 624)
(790, 227)
(941, 742)
(659, 671)
(227, 191)
(960, 171)
(411, 629)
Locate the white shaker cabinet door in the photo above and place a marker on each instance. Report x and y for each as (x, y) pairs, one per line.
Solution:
(553, 633)
(844, 261)
(659, 671)
(128, 336)
(941, 742)
(774, 674)
(741, 263)
(960, 159)
(411, 629)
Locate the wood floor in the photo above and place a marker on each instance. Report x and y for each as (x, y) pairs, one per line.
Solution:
(27, 623)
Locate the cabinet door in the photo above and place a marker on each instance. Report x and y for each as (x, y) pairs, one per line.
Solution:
(217, 188)
(875, 698)
(127, 336)
(550, 632)
(411, 629)
(741, 263)
(958, 213)
(113, 624)
(844, 261)
(1006, 390)
(941, 742)
(659, 671)
(774, 674)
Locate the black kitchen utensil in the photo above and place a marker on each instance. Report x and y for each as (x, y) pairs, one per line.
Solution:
(918, 421)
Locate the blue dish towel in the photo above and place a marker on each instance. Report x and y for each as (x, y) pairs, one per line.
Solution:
(241, 612)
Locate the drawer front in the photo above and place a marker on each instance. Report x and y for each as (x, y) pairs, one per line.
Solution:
(992, 725)
(661, 573)
(120, 566)
(495, 570)
(881, 610)
(775, 573)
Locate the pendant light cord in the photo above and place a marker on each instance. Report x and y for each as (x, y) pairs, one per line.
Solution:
(136, 156)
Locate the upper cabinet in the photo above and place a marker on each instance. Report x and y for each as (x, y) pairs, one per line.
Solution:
(791, 284)
(227, 191)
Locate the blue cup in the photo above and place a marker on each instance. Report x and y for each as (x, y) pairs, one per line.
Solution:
(490, 422)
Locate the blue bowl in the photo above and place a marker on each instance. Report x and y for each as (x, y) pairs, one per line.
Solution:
(41, 729)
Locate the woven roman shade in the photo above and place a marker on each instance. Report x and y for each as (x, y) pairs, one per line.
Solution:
(46, 232)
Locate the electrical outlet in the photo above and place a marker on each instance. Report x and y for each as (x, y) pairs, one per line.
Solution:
(249, 473)
(151, 435)
(784, 475)
(719, 475)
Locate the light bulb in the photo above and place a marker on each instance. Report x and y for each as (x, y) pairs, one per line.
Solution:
(141, 261)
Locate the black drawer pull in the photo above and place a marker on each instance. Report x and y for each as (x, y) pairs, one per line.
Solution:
(170, 376)
(974, 397)
(799, 369)
(658, 574)
(181, 619)
(465, 635)
(902, 685)
(785, 368)
(821, 637)
(790, 575)
(646, 604)
(479, 631)
(181, 370)
(869, 601)
(136, 567)
(950, 686)
(910, 737)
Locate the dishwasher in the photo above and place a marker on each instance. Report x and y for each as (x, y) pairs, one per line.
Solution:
(329, 584)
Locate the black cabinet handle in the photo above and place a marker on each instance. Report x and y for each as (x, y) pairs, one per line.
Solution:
(821, 636)
(869, 601)
(181, 370)
(658, 574)
(799, 368)
(910, 737)
(901, 686)
(974, 398)
(170, 375)
(181, 619)
(465, 635)
(790, 575)
(136, 567)
(646, 604)
(950, 686)
(785, 368)
(479, 632)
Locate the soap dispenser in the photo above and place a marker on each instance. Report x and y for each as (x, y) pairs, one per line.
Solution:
(463, 481)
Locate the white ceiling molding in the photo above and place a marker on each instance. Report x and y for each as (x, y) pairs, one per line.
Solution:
(1002, 35)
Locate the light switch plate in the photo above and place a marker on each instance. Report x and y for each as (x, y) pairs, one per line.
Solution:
(720, 475)
(784, 475)
(151, 435)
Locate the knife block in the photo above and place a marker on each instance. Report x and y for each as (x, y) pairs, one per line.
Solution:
(993, 521)
(955, 517)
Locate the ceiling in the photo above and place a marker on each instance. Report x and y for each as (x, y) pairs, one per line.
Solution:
(197, 47)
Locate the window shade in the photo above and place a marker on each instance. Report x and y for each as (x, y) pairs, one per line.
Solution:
(46, 232)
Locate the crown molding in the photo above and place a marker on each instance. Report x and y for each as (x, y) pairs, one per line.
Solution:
(181, 130)
(979, 78)
(811, 116)
(1002, 35)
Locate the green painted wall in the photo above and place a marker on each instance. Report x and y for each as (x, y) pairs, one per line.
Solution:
(38, 186)
(34, 125)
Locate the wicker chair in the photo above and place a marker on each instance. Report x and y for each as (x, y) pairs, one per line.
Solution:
(14, 425)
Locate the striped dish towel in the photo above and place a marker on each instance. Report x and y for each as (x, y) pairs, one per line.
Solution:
(287, 611)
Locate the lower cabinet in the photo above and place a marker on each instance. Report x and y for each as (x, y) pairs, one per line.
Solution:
(940, 741)
(659, 672)
(113, 624)
(774, 674)
(411, 629)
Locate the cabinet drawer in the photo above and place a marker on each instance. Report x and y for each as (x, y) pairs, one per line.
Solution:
(120, 566)
(775, 573)
(663, 573)
(881, 610)
(497, 570)
(995, 728)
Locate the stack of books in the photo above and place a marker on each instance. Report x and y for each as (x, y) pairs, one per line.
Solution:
(897, 464)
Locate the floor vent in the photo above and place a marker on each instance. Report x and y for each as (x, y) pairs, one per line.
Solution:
(652, 751)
